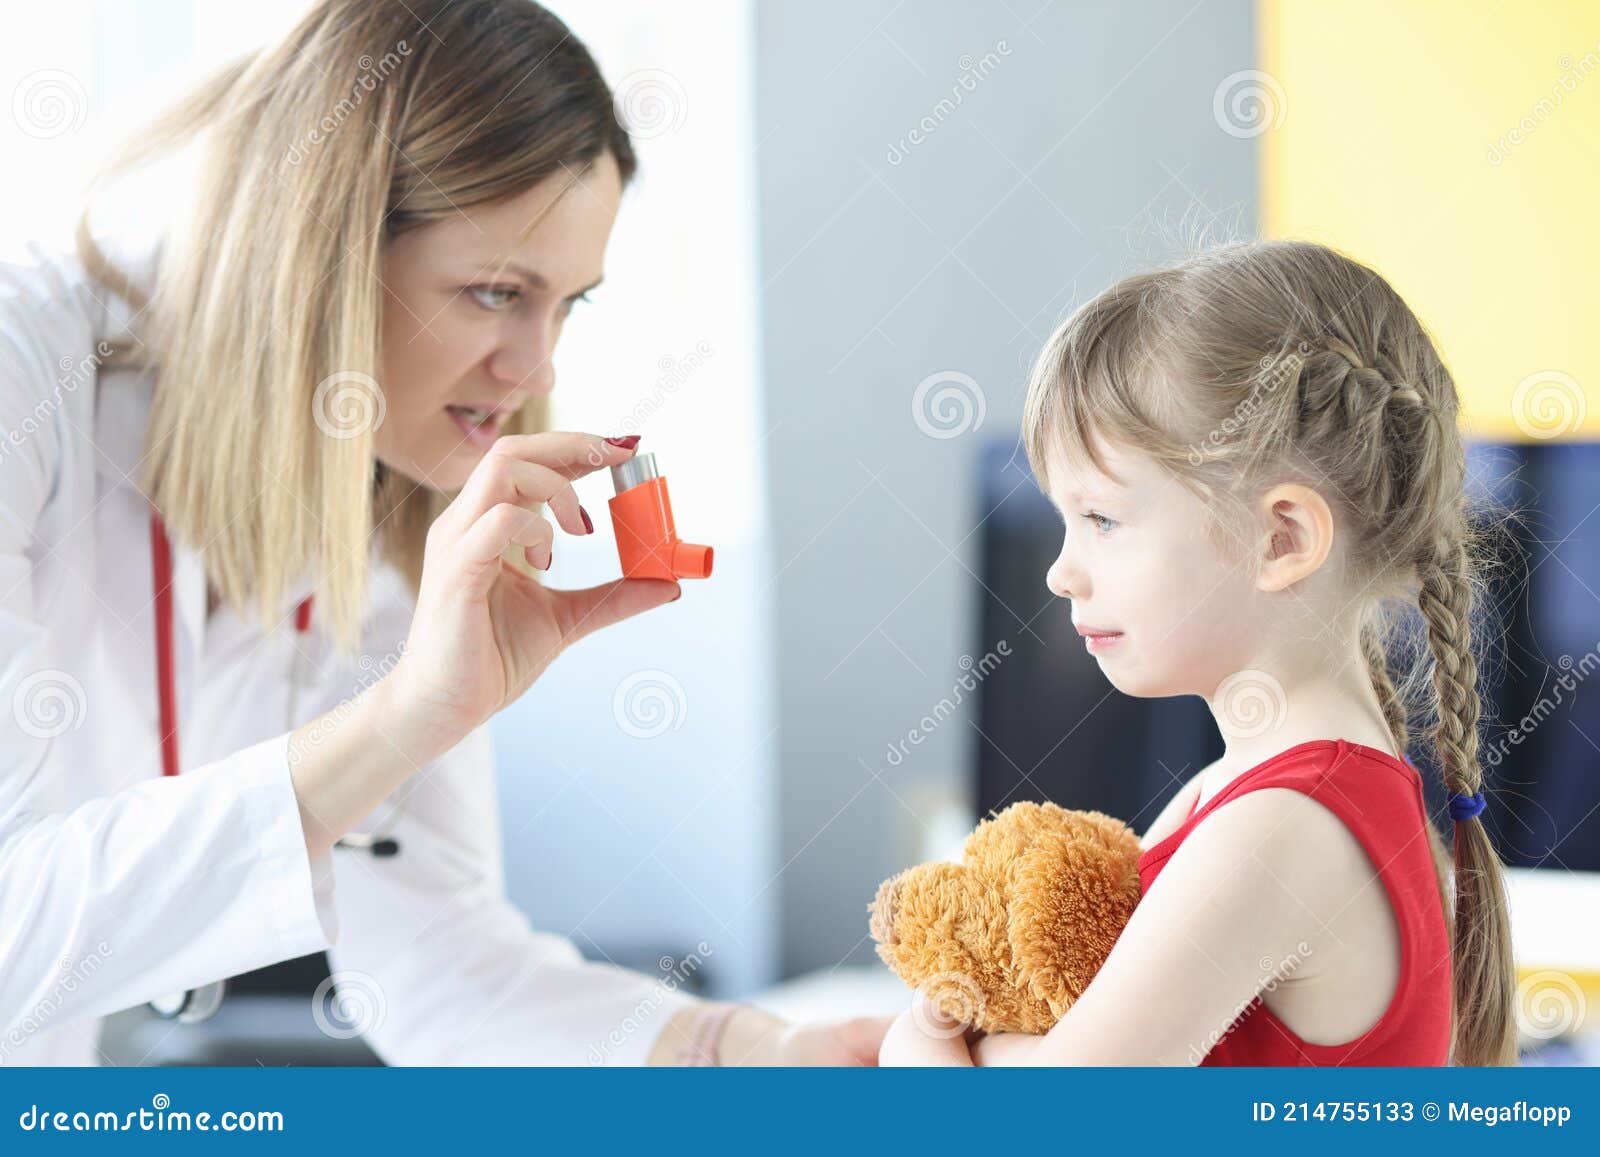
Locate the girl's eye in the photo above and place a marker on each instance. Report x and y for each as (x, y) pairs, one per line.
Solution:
(495, 297)
(572, 301)
(1101, 522)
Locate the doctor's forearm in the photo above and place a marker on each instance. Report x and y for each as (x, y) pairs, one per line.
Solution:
(345, 762)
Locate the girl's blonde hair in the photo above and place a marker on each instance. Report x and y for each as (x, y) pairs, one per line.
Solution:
(1258, 363)
(367, 120)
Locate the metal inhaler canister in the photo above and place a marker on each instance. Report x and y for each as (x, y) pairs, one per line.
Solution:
(641, 514)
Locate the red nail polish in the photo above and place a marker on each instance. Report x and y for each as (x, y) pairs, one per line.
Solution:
(588, 523)
(627, 441)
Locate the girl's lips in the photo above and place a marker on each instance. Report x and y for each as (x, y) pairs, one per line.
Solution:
(481, 434)
(1097, 643)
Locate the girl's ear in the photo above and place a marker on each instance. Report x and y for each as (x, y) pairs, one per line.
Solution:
(1299, 535)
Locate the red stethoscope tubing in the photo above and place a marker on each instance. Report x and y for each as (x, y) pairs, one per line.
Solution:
(166, 668)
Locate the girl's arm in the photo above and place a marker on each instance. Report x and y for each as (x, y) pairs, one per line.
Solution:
(1247, 897)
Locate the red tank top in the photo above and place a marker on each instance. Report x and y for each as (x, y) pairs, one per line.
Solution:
(1379, 798)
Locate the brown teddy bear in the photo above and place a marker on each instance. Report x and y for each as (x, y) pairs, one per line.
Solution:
(1007, 939)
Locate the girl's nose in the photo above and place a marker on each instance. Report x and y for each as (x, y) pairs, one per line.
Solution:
(1065, 580)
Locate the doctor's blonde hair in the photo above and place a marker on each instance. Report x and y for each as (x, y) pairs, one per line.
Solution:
(1257, 363)
(367, 120)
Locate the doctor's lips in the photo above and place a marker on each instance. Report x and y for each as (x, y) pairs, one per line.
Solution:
(641, 514)
(1098, 638)
(481, 424)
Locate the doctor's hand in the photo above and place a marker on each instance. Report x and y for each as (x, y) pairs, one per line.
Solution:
(483, 631)
(753, 1038)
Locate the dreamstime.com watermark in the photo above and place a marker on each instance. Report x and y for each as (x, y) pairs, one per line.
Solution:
(972, 72)
(1573, 73)
(1544, 707)
(976, 671)
(49, 103)
(347, 404)
(1249, 103)
(1249, 703)
(649, 703)
(348, 1004)
(1275, 974)
(948, 404)
(675, 371)
(1549, 1004)
(1276, 370)
(1549, 404)
(370, 672)
(71, 374)
(160, 1117)
(70, 975)
(650, 103)
(675, 973)
(373, 73)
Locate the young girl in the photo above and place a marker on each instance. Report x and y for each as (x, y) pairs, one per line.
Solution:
(1254, 454)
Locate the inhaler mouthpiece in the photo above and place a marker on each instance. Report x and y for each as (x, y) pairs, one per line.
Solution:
(647, 541)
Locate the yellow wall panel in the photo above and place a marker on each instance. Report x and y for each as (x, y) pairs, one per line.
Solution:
(1455, 147)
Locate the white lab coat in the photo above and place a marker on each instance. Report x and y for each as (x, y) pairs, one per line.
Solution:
(118, 885)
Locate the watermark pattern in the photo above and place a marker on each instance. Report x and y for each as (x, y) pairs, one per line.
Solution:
(1249, 103)
(160, 1117)
(317, 732)
(348, 404)
(946, 1004)
(1276, 370)
(1572, 75)
(1249, 703)
(649, 703)
(49, 703)
(48, 104)
(976, 671)
(674, 372)
(651, 103)
(1494, 753)
(1549, 1004)
(373, 73)
(70, 975)
(675, 973)
(1275, 973)
(972, 72)
(72, 374)
(348, 1004)
(948, 404)
(1549, 404)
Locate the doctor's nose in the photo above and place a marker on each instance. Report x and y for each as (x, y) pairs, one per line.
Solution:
(526, 359)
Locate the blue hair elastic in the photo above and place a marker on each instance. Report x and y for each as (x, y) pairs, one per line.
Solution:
(1465, 807)
(1462, 807)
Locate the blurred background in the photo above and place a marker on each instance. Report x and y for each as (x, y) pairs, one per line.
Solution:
(854, 227)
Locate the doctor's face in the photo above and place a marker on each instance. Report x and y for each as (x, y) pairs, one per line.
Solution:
(1136, 558)
(473, 305)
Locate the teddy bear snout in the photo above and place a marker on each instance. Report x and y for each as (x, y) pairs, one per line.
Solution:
(883, 909)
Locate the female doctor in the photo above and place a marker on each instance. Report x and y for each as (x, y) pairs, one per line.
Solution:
(271, 498)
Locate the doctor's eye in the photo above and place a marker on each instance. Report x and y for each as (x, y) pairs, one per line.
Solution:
(1101, 522)
(494, 297)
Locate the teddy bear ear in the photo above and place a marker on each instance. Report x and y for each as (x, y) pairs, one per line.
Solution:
(1073, 893)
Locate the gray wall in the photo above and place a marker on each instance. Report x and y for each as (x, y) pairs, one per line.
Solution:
(1082, 145)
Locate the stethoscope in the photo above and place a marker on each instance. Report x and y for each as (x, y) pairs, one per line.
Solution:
(197, 1004)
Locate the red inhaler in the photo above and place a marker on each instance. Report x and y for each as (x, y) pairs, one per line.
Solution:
(641, 514)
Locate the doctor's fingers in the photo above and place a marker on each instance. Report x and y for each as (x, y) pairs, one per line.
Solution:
(501, 477)
(503, 527)
(569, 454)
